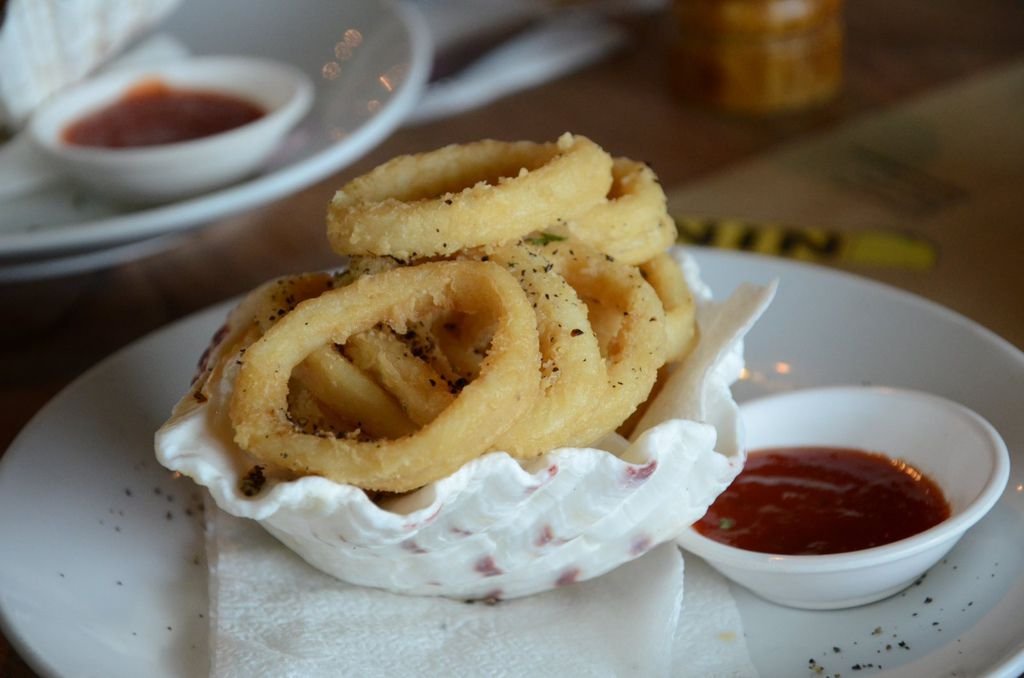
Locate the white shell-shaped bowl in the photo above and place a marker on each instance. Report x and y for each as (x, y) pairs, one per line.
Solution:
(496, 528)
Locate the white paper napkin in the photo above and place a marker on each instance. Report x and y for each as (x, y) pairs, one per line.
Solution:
(709, 640)
(271, 614)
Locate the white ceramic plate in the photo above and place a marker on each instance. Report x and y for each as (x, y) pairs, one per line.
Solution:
(377, 78)
(103, 570)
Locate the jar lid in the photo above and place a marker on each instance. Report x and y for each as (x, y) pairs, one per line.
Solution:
(776, 17)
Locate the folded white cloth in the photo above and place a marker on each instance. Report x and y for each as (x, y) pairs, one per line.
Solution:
(46, 45)
(271, 614)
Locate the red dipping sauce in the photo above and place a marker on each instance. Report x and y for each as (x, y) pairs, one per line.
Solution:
(153, 113)
(819, 500)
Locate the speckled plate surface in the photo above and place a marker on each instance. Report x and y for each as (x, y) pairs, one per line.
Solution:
(103, 570)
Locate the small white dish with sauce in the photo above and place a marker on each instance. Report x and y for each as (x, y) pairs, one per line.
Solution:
(961, 452)
(166, 172)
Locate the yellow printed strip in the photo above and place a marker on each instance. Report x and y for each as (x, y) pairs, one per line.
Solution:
(819, 245)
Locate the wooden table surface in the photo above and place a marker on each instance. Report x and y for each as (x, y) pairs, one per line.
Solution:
(55, 329)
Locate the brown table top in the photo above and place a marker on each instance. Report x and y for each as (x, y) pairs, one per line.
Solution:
(55, 329)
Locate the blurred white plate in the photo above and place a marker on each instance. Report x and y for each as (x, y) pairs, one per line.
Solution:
(103, 571)
(370, 60)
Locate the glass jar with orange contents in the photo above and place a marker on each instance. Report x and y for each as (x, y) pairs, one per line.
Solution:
(757, 56)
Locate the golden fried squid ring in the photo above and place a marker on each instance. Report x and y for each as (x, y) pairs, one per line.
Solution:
(571, 364)
(311, 415)
(463, 196)
(389, 385)
(411, 369)
(632, 224)
(633, 355)
(422, 391)
(260, 309)
(272, 300)
(463, 339)
(668, 282)
(360, 266)
(508, 384)
(339, 393)
(343, 390)
(571, 367)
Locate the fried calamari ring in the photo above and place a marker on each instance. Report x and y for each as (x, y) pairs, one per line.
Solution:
(382, 394)
(463, 339)
(507, 386)
(464, 196)
(668, 282)
(327, 375)
(633, 355)
(577, 341)
(362, 265)
(274, 299)
(345, 391)
(571, 367)
(632, 224)
(389, 384)
(310, 415)
(628, 427)
(420, 389)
